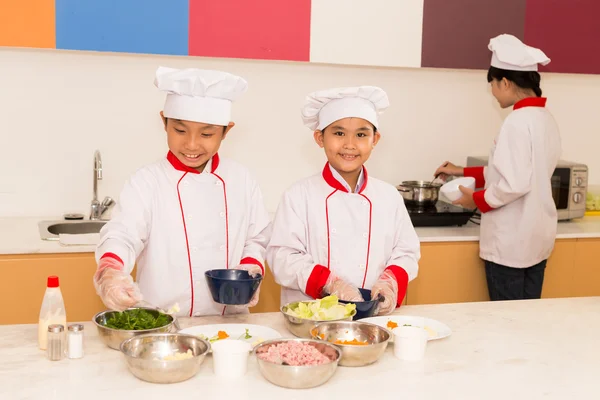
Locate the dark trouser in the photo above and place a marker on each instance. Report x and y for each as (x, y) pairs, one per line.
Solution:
(506, 283)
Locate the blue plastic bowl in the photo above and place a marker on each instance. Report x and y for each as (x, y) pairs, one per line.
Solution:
(364, 309)
(232, 286)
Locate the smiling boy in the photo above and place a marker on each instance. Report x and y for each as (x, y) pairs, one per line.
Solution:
(342, 230)
(187, 213)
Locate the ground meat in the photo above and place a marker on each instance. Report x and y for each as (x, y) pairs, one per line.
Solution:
(294, 353)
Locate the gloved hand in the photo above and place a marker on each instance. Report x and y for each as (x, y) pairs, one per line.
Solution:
(116, 288)
(342, 289)
(254, 271)
(386, 286)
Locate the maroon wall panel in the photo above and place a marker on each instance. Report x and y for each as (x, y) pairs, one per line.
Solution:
(456, 33)
(567, 31)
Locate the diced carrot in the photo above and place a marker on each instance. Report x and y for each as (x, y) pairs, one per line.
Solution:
(392, 324)
(354, 342)
(222, 335)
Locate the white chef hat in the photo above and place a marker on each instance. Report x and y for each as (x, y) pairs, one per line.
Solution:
(199, 95)
(326, 106)
(510, 53)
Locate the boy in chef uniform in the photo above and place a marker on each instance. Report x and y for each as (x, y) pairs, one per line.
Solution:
(187, 213)
(519, 218)
(341, 229)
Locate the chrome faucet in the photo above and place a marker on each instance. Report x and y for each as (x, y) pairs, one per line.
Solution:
(98, 209)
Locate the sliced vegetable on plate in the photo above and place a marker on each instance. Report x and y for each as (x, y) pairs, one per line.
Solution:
(253, 334)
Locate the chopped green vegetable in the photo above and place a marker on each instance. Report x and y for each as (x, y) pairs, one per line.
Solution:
(136, 320)
(324, 309)
(245, 335)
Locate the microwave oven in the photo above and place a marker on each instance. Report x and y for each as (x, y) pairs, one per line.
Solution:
(569, 186)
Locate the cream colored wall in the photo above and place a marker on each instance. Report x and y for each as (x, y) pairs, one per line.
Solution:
(57, 107)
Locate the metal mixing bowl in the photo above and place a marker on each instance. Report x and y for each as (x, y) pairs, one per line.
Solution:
(303, 377)
(355, 355)
(301, 327)
(114, 337)
(144, 356)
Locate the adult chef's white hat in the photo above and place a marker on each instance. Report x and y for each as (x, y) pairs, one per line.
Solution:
(326, 106)
(199, 95)
(508, 52)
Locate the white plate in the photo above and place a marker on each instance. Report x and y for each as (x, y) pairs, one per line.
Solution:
(436, 329)
(258, 332)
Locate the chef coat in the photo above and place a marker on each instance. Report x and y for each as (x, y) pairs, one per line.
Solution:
(178, 223)
(321, 228)
(519, 217)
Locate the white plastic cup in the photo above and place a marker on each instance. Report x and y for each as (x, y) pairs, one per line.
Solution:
(410, 342)
(230, 358)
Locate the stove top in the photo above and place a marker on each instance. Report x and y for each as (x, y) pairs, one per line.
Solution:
(440, 214)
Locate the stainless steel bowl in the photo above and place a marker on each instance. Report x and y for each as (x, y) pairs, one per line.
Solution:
(114, 337)
(144, 356)
(303, 377)
(301, 327)
(355, 355)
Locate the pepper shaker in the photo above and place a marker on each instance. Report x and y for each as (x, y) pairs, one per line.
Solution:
(56, 342)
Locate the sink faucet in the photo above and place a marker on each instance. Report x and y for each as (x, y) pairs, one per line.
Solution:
(98, 208)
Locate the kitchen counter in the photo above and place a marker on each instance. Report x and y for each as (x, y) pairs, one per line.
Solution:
(587, 227)
(522, 349)
(21, 236)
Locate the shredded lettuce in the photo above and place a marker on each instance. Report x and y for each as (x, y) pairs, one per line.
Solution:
(325, 309)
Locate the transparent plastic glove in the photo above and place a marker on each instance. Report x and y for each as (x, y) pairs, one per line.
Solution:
(116, 288)
(254, 271)
(342, 289)
(386, 286)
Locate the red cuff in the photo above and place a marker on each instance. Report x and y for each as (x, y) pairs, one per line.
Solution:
(479, 199)
(477, 173)
(250, 260)
(402, 280)
(113, 256)
(316, 281)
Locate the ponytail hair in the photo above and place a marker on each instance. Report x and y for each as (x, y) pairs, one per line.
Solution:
(523, 79)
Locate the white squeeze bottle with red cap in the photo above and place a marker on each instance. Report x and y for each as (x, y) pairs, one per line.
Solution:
(52, 312)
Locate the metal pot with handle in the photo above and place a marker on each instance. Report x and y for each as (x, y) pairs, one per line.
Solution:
(419, 193)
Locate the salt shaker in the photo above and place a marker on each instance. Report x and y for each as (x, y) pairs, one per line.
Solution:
(75, 341)
(55, 350)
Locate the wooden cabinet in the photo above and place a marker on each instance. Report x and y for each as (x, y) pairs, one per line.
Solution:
(559, 273)
(586, 280)
(24, 279)
(449, 272)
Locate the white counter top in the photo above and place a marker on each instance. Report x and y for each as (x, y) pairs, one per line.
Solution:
(21, 235)
(498, 350)
(588, 227)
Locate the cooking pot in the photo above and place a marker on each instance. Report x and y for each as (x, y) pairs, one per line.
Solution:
(419, 193)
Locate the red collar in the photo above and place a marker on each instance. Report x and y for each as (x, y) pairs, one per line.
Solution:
(179, 166)
(530, 102)
(334, 183)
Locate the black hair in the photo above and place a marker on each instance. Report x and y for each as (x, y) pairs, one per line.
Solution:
(523, 79)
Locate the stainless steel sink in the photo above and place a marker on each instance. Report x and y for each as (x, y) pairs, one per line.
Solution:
(49, 230)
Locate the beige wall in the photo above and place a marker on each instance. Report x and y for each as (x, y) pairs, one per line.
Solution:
(57, 107)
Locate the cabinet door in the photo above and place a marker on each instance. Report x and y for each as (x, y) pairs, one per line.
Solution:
(270, 294)
(586, 280)
(558, 277)
(449, 272)
(24, 279)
